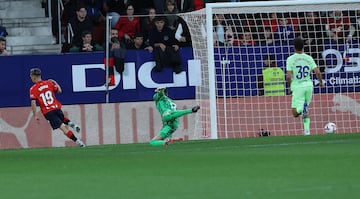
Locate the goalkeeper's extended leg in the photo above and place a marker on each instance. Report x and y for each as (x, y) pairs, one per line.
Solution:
(175, 114)
(164, 142)
(163, 138)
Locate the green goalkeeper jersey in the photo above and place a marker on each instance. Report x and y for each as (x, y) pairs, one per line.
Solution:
(163, 103)
(301, 66)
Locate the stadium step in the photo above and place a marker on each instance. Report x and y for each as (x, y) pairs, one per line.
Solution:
(26, 22)
(18, 13)
(29, 31)
(19, 5)
(29, 40)
(35, 49)
(28, 27)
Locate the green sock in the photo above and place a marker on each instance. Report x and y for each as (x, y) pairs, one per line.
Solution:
(157, 142)
(176, 114)
(306, 123)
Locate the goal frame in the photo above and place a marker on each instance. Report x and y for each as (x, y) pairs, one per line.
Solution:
(210, 42)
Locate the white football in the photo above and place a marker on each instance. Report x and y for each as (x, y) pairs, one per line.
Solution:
(330, 127)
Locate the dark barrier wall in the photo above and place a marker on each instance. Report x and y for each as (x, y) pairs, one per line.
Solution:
(243, 66)
(82, 76)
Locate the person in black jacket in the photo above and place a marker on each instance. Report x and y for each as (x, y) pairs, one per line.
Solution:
(80, 24)
(166, 48)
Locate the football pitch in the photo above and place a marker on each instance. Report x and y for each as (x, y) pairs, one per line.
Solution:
(322, 166)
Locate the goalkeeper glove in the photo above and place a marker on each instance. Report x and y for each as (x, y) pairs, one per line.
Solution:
(195, 108)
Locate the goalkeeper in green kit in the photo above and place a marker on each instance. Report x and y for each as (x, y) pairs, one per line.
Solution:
(299, 67)
(167, 109)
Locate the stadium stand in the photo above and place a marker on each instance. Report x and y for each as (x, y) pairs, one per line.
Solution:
(29, 30)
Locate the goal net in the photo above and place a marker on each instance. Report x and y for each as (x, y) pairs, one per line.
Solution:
(243, 48)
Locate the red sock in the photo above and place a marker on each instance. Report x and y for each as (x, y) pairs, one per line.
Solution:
(71, 135)
(66, 120)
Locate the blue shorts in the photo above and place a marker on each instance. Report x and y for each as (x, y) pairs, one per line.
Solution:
(55, 118)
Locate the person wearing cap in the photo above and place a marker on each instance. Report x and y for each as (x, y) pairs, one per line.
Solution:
(166, 48)
(43, 93)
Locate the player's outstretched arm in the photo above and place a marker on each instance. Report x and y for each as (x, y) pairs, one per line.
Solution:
(289, 79)
(318, 75)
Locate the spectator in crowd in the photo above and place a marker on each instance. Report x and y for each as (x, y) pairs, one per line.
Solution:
(147, 24)
(356, 21)
(141, 6)
(270, 21)
(268, 36)
(3, 32)
(198, 4)
(247, 39)
(128, 25)
(251, 22)
(182, 33)
(159, 6)
(166, 49)
(139, 43)
(312, 33)
(114, 8)
(69, 11)
(117, 51)
(284, 32)
(170, 13)
(223, 33)
(93, 8)
(88, 45)
(80, 24)
(311, 29)
(185, 5)
(339, 27)
(67, 14)
(295, 19)
(114, 33)
(3, 51)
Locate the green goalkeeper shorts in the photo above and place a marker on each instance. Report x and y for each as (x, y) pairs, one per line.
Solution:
(168, 129)
(300, 96)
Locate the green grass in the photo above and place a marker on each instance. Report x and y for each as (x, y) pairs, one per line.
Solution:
(323, 166)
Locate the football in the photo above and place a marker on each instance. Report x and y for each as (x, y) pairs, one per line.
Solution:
(330, 127)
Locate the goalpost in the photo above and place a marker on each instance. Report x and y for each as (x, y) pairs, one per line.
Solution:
(233, 42)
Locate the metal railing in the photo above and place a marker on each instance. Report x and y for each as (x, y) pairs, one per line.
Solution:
(70, 33)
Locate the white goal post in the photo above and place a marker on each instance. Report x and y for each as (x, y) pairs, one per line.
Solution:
(233, 42)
